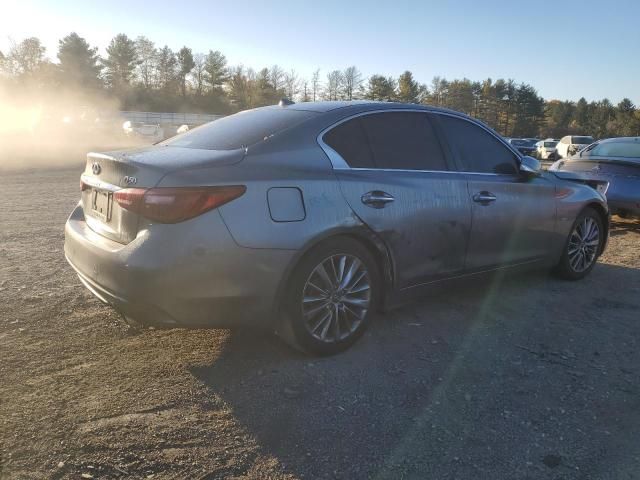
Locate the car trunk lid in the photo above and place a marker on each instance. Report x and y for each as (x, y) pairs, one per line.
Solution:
(106, 173)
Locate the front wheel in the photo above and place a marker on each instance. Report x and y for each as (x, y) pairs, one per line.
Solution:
(582, 247)
(331, 296)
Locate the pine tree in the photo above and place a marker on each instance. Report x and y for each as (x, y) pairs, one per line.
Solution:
(167, 69)
(147, 55)
(79, 63)
(381, 88)
(185, 65)
(408, 88)
(266, 94)
(238, 88)
(215, 68)
(120, 63)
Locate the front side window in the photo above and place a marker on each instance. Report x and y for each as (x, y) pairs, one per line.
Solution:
(477, 150)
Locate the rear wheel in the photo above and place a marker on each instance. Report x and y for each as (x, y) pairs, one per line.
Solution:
(582, 247)
(331, 296)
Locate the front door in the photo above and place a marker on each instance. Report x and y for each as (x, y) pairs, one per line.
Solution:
(513, 215)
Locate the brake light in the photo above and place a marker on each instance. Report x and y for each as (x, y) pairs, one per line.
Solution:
(173, 205)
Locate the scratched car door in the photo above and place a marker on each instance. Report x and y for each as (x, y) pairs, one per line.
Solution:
(399, 183)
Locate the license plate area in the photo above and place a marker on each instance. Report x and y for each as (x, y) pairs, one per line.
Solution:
(102, 204)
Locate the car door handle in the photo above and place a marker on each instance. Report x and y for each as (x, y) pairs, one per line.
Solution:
(377, 199)
(484, 197)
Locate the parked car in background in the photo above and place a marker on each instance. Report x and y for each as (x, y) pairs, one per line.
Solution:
(617, 161)
(182, 129)
(147, 132)
(572, 144)
(546, 149)
(524, 145)
(306, 218)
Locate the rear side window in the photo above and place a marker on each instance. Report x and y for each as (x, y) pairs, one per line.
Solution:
(240, 130)
(394, 140)
(350, 141)
(403, 140)
(477, 149)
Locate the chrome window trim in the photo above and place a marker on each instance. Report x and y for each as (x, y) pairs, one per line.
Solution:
(339, 163)
(455, 172)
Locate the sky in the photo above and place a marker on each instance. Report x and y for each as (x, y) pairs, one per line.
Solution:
(565, 49)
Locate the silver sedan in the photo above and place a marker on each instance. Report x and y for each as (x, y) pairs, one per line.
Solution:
(306, 218)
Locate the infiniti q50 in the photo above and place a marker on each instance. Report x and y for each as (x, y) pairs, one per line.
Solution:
(306, 218)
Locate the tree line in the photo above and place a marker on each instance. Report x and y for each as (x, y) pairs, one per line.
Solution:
(144, 76)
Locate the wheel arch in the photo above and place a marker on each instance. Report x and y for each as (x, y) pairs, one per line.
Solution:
(366, 238)
(604, 216)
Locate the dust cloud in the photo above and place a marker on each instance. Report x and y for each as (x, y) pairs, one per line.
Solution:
(56, 129)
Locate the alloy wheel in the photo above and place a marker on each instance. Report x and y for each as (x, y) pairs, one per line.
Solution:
(583, 244)
(336, 298)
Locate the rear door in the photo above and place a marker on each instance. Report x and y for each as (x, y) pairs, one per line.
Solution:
(397, 180)
(513, 215)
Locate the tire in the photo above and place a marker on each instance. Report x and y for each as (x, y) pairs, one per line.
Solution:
(327, 316)
(581, 250)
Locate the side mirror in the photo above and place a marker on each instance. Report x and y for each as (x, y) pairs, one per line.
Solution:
(530, 165)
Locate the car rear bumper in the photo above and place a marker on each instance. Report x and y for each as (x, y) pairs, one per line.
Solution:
(190, 274)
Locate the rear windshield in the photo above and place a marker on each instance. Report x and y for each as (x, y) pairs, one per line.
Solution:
(550, 144)
(581, 140)
(240, 130)
(518, 143)
(617, 149)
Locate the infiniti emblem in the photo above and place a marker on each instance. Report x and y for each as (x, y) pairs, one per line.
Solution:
(96, 168)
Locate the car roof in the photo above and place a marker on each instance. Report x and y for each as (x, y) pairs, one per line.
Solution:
(620, 139)
(363, 105)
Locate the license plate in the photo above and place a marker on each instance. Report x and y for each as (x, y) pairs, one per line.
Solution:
(101, 204)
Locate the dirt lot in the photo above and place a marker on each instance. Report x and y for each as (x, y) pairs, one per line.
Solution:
(525, 377)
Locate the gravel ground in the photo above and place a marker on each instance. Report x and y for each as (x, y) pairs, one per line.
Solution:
(520, 377)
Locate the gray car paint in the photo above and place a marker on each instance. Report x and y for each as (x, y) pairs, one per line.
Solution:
(230, 266)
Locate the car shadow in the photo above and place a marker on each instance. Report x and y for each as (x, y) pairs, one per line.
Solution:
(425, 391)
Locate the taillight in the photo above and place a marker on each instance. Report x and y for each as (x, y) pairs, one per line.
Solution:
(173, 205)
